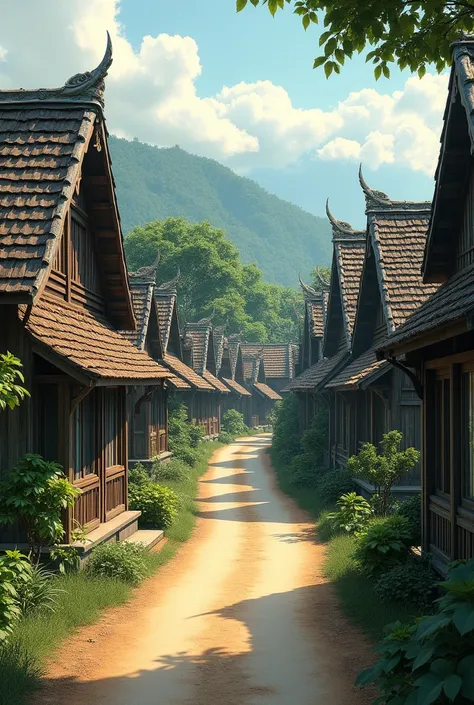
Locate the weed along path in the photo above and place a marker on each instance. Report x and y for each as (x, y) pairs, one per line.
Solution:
(242, 616)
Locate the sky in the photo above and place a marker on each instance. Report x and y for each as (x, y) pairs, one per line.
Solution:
(238, 88)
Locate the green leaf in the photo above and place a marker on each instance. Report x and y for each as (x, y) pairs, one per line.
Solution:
(386, 71)
(452, 685)
(423, 657)
(328, 67)
(463, 619)
(273, 6)
(378, 72)
(240, 4)
(306, 21)
(430, 686)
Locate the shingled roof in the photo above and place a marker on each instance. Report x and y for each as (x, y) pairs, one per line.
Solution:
(253, 367)
(365, 368)
(142, 300)
(218, 336)
(279, 358)
(397, 232)
(236, 387)
(83, 343)
(216, 383)
(348, 258)
(199, 334)
(267, 391)
(44, 138)
(187, 373)
(315, 376)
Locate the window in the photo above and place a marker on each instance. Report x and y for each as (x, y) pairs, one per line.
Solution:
(468, 435)
(113, 427)
(442, 435)
(84, 442)
(47, 400)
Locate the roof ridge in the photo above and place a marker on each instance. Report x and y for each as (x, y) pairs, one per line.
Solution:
(376, 200)
(87, 87)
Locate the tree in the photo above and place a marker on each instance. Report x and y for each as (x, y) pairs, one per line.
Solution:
(410, 33)
(320, 276)
(214, 281)
(11, 393)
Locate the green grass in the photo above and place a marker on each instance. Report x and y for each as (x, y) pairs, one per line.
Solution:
(84, 598)
(356, 593)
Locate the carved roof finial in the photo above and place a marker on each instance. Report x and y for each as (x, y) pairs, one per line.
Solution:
(87, 87)
(208, 320)
(341, 229)
(325, 284)
(170, 287)
(308, 290)
(146, 274)
(372, 197)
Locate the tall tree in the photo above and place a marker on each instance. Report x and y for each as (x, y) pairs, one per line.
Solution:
(410, 33)
(214, 280)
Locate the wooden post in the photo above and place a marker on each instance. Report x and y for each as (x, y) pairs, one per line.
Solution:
(455, 453)
(428, 453)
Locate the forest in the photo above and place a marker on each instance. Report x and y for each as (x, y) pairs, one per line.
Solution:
(214, 281)
(153, 184)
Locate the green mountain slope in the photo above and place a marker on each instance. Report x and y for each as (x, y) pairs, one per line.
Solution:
(155, 183)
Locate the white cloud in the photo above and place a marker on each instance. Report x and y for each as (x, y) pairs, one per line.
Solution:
(151, 94)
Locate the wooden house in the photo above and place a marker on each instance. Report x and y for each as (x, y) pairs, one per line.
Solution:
(371, 396)
(199, 353)
(436, 344)
(197, 391)
(280, 360)
(147, 406)
(346, 269)
(263, 396)
(231, 372)
(311, 349)
(64, 296)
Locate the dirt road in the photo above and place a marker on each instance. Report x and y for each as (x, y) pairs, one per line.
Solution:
(242, 616)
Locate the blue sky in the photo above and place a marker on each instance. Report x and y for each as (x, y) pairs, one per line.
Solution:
(239, 88)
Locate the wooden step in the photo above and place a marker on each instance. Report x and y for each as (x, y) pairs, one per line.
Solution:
(149, 537)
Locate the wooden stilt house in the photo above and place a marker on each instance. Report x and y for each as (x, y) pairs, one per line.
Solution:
(346, 269)
(147, 406)
(263, 396)
(195, 395)
(375, 396)
(311, 349)
(280, 361)
(232, 374)
(64, 295)
(199, 346)
(436, 344)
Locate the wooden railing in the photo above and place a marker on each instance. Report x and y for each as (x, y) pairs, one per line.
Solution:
(440, 528)
(115, 497)
(162, 441)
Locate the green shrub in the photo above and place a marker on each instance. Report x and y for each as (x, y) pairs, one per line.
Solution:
(314, 441)
(410, 583)
(233, 423)
(138, 475)
(119, 561)
(286, 431)
(354, 513)
(35, 494)
(183, 437)
(173, 470)
(383, 469)
(334, 483)
(158, 505)
(383, 544)
(14, 569)
(39, 593)
(432, 660)
(226, 438)
(411, 509)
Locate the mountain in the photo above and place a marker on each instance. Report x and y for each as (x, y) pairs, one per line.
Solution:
(154, 183)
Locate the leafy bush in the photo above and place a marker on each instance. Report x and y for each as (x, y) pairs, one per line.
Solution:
(233, 423)
(11, 393)
(314, 441)
(171, 471)
(411, 509)
(286, 432)
(158, 505)
(36, 493)
(120, 561)
(14, 569)
(383, 469)
(432, 660)
(183, 437)
(138, 475)
(303, 472)
(354, 513)
(334, 483)
(225, 437)
(411, 583)
(383, 544)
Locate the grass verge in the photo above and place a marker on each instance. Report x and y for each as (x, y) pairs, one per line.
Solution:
(84, 598)
(358, 599)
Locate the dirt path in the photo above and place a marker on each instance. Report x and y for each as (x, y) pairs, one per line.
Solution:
(242, 616)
